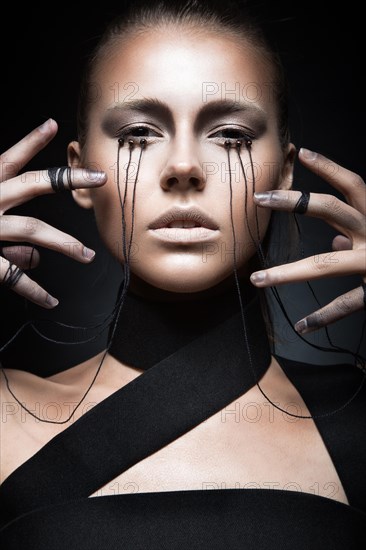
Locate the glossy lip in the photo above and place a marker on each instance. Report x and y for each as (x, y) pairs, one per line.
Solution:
(192, 213)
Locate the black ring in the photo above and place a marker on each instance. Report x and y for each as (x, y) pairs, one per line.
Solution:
(302, 204)
(12, 275)
(56, 176)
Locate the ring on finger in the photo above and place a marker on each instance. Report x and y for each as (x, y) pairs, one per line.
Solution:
(12, 275)
(57, 178)
(302, 204)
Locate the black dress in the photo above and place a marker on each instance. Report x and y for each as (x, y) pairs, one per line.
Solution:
(196, 362)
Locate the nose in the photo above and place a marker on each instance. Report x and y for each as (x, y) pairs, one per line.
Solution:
(183, 170)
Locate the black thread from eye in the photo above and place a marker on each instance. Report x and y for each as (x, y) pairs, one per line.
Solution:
(358, 358)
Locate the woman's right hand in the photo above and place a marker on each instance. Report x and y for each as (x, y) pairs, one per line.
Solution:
(18, 188)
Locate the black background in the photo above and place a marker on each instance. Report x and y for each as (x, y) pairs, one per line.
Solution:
(43, 51)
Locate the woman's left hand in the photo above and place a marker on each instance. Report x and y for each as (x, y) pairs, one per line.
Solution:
(348, 256)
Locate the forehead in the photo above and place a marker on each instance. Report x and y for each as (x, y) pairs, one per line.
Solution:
(185, 70)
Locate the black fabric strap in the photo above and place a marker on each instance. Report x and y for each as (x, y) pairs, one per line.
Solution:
(152, 410)
(214, 519)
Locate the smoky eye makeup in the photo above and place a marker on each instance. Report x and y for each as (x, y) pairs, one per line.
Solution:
(225, 113)
(250, 126)
(146, 111)
(115, 128)
(218, 120)
(114, 125)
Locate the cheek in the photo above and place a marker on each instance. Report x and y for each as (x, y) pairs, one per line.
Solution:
(106, 200)
(108, 217)
(260, 172)
(250, 225)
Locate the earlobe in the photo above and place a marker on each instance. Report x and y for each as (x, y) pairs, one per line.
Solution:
(81, 196)
(288, 167)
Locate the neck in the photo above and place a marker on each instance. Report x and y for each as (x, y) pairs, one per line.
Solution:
(143, 289)
(151, 326)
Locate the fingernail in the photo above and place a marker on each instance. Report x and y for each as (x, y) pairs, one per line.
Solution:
(88, 253)
(258, 277)
(94, 175)
(51, 301)
(301, 326)
(44, 127)
(263, 197)
(309, 155)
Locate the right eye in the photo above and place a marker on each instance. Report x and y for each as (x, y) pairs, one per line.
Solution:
(137, 131)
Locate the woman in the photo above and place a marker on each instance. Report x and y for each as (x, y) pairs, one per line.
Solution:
(187, 396)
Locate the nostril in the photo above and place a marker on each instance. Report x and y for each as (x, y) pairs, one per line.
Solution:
(171, 181)
(192, 181)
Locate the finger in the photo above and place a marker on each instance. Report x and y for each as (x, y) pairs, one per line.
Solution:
(341, 307)
(319, 266)
(25, 257)
(340, 242)
(351, 185)
(334, 211)
(17, 190)
(23, 228)
(13, 160)
(24, 285)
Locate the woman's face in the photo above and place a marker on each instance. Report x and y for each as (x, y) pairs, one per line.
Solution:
(185, 94)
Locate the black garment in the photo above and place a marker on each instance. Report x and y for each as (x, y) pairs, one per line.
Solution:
(196, 362)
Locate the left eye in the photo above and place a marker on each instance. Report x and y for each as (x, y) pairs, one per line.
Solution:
(231, 133)
(137, 131)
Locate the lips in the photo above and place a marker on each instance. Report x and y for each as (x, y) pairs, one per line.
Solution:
(183, 224)
(187, 218)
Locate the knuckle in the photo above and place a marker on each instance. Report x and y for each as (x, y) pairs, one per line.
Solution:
(4, 158)
(317, 319)
(35, 292)
(31, 225)
(7, 167)
(357, 181)
(277, 275)
(343, 304)
(331, 204)
(359, 227)
(278, 196)
(330, 169)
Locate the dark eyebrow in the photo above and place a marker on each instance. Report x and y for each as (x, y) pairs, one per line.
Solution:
(215, 108)
(223, 107)
(229, 106)
(152, 106)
